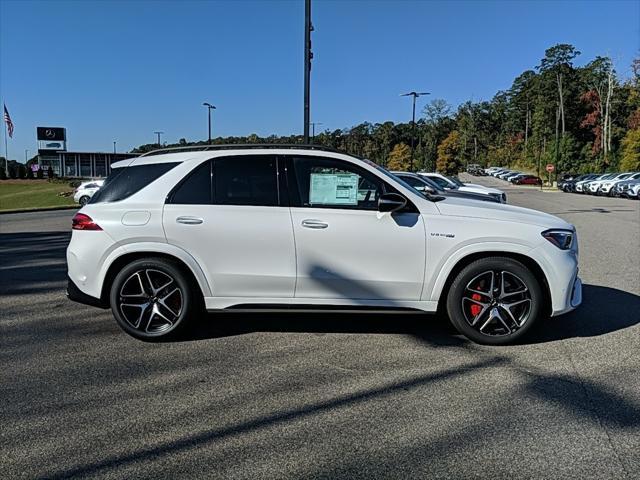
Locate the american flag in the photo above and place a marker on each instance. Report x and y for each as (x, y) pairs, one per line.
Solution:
(7, 120)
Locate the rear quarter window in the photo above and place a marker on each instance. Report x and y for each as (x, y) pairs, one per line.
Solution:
(125, 181)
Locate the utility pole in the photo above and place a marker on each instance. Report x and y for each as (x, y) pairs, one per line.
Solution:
(209, 108)
(114, 146)
(413, 119)
(158, 134)
(26, 156)
(308, 55)
(313, 129)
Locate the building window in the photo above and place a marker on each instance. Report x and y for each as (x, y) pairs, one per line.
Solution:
(101, 165)
(85, 165)
(70, 169)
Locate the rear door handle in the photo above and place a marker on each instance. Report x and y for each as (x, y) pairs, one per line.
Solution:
(189, 220)
(317, 224)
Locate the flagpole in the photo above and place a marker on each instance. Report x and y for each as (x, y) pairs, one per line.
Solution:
(6, 152)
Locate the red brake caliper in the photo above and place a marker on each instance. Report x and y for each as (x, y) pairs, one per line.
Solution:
(475, 308)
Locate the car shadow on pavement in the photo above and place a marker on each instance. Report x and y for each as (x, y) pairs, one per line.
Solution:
(604, 310)
(32, 262)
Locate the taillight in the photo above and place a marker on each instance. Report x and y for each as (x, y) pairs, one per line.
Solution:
(83, 222)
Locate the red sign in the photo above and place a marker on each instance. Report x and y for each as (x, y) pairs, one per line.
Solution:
(550, 168)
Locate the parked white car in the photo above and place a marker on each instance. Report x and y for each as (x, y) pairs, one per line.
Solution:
(171, 234)
(452, 183)
(606, 186)
(86, 190)
(581, 186)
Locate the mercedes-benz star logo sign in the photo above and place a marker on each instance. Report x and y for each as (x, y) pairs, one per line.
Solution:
(49, 133)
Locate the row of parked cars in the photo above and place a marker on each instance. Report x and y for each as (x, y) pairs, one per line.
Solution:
(513, 176)
(626, 184)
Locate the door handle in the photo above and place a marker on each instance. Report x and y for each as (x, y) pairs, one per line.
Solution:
(317, 224)
(189, 220)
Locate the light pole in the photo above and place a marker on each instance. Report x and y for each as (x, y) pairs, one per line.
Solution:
(209, 108)
(308, 28)
(158, 134)
(313, 129)
(114, 146)
(26, 155)
(413, 119)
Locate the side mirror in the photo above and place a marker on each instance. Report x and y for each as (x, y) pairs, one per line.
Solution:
(391, 202)
(425, 189)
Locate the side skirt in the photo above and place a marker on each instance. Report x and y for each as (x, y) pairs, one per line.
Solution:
(220, 303)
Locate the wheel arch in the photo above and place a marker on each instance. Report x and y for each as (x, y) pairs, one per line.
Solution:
(527, 261)
(125, 258)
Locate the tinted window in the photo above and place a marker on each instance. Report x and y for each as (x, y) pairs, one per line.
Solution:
(195, 189)
(322, 182)
(245, 180)
(125, 181)
(441, 182)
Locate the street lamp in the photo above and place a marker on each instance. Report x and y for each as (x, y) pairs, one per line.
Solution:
(308, 55)
(209, 108)
(313, 129)
(114, 146)
(26, 155)
(158, 134)
(413, 119)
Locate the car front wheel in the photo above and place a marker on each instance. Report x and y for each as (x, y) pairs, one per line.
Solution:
(84, 200)
(152, 299)
(494, 300)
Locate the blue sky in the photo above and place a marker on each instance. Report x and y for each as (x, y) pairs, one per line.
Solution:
(119, 70)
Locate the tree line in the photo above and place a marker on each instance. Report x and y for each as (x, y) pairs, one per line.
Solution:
(581, 119)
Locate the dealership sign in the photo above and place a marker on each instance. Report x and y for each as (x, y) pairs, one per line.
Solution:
(52, 138)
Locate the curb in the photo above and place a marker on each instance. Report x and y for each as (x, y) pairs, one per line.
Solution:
(40, 209)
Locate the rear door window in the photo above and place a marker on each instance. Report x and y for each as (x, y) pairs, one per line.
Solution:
(125, 181)
(195, 189)
(246, 180)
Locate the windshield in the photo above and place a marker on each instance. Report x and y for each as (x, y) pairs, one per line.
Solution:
(456, 180)
(387, 173)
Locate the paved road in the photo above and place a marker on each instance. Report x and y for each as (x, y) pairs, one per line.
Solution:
(322, 395)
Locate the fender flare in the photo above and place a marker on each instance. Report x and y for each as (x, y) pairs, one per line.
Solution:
(161, 248)
(433, 288)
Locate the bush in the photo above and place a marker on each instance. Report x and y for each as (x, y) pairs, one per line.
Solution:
(50, 172)
(29, 173)
(40, 173)
(3, 175)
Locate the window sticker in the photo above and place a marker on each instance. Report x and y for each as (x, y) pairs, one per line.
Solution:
(334, 189)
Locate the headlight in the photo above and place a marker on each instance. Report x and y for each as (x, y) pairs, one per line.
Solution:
(560, 238)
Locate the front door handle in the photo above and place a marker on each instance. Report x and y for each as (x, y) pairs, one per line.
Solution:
(314, 224)
(189, 220)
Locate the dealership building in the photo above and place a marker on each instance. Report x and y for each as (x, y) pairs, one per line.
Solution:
(52, 151)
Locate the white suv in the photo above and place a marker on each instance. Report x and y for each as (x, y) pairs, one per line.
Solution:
(86, 190)
(170, 234)
(452, 183)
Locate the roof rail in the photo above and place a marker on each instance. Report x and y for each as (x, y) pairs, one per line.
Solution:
(241, 146)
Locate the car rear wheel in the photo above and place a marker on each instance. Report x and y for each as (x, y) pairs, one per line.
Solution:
(494, 300)
(84, 200)
(152, 299)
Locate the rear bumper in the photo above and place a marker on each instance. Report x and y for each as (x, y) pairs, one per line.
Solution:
(77, 295)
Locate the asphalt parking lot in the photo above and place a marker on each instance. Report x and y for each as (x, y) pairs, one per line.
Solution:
(322, 395)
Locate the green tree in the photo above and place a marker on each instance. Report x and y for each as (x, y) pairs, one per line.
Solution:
(448, 151)
(399, 158)
(631, 151)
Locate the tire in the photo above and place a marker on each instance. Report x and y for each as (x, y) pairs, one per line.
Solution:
(152, 299)
(84, 200)
(484, 317)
